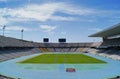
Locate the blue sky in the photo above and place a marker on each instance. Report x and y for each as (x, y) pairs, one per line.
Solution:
(74, 20)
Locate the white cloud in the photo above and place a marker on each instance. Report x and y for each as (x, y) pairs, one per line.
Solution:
(43, 12)
(16, 19)
(75, 10)
(63, 33)
(48, 11)
(95, 29)
(47, 28)
(18, 28)
(35, 12)
(62, 18)
(3, 21)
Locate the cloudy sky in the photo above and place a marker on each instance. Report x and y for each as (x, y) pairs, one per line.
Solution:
(53, 19)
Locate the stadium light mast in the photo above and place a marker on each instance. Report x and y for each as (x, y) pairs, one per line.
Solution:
(4, 30)
(22, 33)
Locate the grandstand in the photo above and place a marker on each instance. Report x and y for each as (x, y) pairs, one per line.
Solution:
(63, 47)
(12, 48)
(110, 47)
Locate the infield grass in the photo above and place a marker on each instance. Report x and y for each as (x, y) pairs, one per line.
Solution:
(62, 59)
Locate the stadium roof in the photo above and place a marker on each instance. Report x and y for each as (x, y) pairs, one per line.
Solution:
(114, 30)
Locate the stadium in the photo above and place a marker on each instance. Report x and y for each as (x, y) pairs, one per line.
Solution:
(59, 39)
(22, 59)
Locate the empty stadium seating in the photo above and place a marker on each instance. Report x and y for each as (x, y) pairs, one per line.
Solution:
(12, 53)
(12, 48)
(13, 42)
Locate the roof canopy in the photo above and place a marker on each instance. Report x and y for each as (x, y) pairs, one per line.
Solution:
(114, 30)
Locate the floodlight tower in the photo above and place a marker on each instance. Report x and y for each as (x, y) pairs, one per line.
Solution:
(22, 33)
(4, 30)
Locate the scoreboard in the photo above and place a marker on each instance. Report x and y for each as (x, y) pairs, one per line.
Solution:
(45, 40)
(62, 40)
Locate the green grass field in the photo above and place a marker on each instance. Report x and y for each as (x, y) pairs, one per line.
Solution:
(62, 59)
